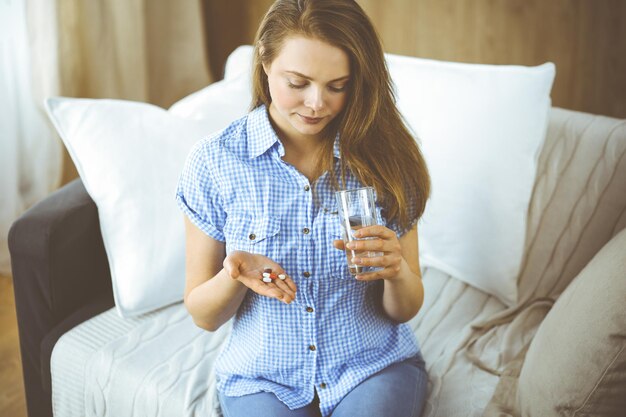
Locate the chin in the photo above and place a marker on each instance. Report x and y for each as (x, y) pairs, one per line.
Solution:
(307, 129)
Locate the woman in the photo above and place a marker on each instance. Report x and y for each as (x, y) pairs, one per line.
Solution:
(259, 196)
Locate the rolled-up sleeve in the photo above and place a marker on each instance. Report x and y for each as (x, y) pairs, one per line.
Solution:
(198, 195)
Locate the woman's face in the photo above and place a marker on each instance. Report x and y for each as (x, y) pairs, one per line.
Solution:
(308, 83)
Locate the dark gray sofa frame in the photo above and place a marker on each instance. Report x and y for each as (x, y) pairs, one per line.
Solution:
(61, 278)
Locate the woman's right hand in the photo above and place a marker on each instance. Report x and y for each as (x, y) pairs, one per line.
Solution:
(247, 268)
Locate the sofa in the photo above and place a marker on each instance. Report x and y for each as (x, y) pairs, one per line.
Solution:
(557, 347)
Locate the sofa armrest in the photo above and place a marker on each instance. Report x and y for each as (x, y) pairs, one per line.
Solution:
(59, 266)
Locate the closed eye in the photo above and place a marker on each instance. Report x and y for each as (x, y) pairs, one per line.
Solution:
(333, 89)
(337, 89)
(296, 86)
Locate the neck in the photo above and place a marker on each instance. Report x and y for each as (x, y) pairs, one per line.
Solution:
(295, 144)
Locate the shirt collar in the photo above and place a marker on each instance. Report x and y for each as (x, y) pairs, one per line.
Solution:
(336, 150)
(260, 128)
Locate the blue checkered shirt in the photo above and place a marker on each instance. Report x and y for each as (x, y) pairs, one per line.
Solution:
(236, 188)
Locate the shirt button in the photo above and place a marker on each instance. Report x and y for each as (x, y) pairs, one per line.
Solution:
(252, 236)
(306, 274)
(323, 385)
(312, 348)
(306, 230)
(309, 309)
(307, 188)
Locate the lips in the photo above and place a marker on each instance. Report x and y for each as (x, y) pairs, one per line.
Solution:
(310, 120)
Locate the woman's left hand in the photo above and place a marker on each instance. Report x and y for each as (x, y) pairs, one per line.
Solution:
(385, 242)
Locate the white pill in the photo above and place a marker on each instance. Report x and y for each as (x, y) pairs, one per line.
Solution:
(282, 276)
(267, 279)
(266, 274)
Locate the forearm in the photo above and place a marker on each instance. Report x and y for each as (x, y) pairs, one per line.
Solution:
(215, 301)
(403, 295)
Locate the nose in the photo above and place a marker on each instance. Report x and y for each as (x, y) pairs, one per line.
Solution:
(314, 99)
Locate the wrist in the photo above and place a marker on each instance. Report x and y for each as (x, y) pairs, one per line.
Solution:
(405, 273)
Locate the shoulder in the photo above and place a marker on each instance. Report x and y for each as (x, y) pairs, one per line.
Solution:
(219, 147)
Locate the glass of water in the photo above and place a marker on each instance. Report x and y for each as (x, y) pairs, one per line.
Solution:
(357, 209)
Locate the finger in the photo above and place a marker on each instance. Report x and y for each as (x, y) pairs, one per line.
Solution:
(266, 289)
(372, 276)
(381, 261)
(287, 279)
(376, 230)
(339, 244)
(369, 245)
(279, 293)
(280, 280)
(284, 287)
(291, 284)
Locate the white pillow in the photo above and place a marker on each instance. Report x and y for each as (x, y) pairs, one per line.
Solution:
(129, 156)
(225, 98)
(481, 128)
(239, 62)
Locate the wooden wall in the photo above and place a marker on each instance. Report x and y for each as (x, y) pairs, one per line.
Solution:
(586, 39)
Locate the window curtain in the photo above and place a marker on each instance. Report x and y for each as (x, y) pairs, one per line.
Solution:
(144, 50)
(30, 155)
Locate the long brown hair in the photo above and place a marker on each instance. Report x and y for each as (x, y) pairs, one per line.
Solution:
(375, 144)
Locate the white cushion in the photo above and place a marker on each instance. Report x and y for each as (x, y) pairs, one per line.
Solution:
(239, 62)
(232, 95)
(228, 97)
(129, 156)
(481, 128)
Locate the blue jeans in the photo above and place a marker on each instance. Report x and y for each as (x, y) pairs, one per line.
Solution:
(398, 390)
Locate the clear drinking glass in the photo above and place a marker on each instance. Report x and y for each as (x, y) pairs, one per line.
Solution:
(357, 209)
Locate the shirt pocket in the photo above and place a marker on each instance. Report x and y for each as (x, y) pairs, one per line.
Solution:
(251, 233)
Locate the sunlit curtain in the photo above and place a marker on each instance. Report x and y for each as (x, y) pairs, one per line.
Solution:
(30, 155)
(145, 50)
